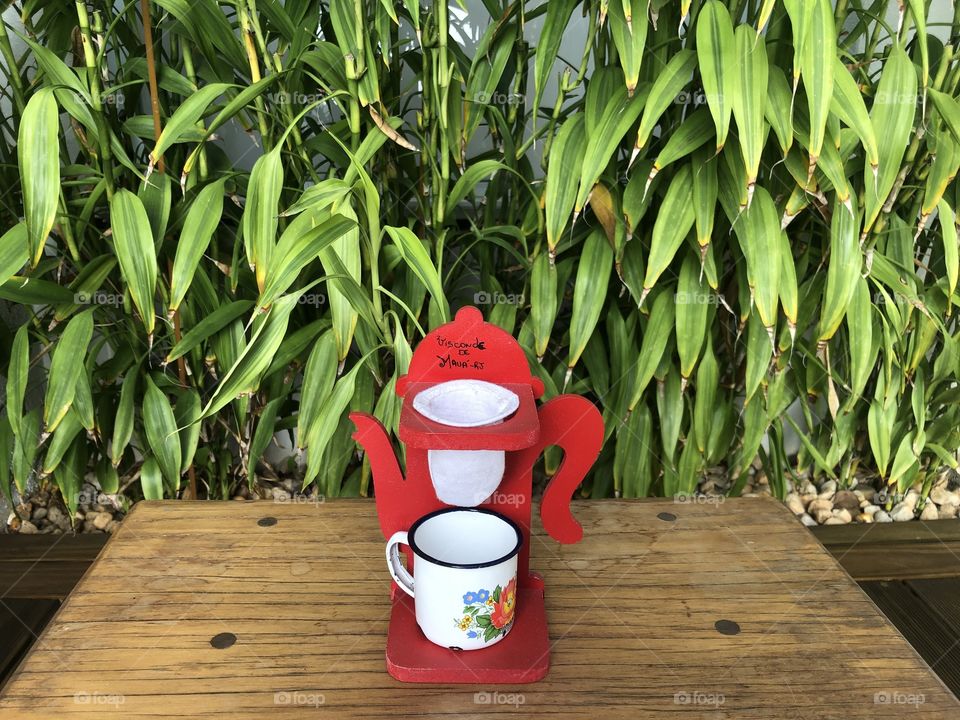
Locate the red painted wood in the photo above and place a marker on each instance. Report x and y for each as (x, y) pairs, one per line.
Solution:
(471, 348)
(523, 656)
(468, 347)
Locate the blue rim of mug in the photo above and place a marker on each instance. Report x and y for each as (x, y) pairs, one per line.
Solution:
(412, 541)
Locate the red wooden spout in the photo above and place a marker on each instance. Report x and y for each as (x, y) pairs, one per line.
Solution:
(388, 480)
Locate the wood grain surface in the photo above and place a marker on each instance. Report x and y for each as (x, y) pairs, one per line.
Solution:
(664, 610)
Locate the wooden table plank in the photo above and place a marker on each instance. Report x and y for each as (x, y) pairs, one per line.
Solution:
(633, 613)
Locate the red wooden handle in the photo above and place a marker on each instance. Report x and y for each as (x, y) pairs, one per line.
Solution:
(575, 424)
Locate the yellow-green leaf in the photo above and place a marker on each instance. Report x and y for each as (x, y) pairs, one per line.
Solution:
(38, 154)
(133, 242)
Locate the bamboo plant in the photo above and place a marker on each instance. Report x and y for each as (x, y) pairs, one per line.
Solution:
(731, 224)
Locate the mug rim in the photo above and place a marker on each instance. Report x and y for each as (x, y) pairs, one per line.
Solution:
(412, 538)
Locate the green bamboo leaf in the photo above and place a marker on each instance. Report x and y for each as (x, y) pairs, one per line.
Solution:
(319, 375)
(260, 214)
(759, 352)
(693, 298)
(151, 479)
(418, 260)
(789, 293)
(201, 223)
(556, 22)
(543, 301)
(563, 173)
(469, 179)
(811, 448)
(843, 272)
(207, 326)
(708, 379)
(25, 447)
(133, 242)
(779, 108)
(918, 12)
(717, 56)
(618, 116)
(300, 244)
(704, 176)
(860, 341)
(904, 459)
(655, 337)
(156, 195)
(848, 105)
(245, 373)
(322, 430)
(263, 435)
(667, 86)
(160, 427)
(801, 18)
(949, 109)
(948, 226)
(17, 375)
(186, 413)
(589, 293)
(633, 459)
(13, 251)
(670, 410)
(943, 171)
(6, 455)
(749, 101)
(691, 461)
(758, 231)
(38, 154)
(239, 102)
(693, 132)
(894, 107)
(672, 225)
(123, 425)
(817, 65)
(184, 119)
(62, 438)
(629, 36)
(65, 368)
(346, 249)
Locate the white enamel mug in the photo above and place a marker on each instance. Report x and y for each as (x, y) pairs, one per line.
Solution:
(464, 581)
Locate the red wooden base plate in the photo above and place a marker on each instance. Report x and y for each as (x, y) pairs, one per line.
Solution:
(523, 656)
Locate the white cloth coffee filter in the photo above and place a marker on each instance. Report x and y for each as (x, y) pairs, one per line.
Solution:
(466, 403)
(465, 478)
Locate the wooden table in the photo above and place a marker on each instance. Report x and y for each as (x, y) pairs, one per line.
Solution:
(665, 610)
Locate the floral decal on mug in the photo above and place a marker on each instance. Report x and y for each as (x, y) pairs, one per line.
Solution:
(488, 614)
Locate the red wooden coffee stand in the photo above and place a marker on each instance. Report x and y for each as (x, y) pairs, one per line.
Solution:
(469, 348)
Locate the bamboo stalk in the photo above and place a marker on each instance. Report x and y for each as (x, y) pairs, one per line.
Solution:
(96, 102)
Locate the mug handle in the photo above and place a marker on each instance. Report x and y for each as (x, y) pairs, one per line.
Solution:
(398, 572)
